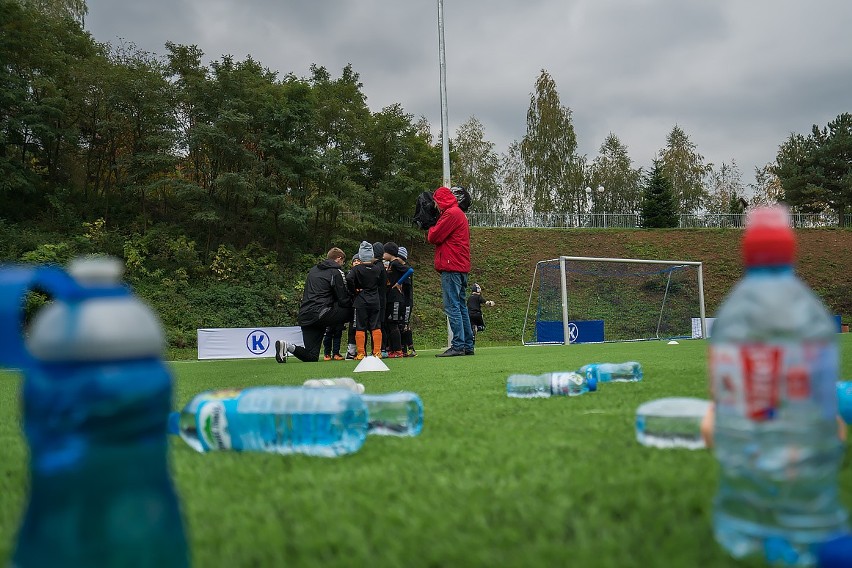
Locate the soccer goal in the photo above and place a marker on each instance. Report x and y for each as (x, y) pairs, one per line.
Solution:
(576, 299)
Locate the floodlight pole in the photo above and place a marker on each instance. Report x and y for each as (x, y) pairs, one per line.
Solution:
(442, 56)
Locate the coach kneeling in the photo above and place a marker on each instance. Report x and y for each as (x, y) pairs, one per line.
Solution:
(325, 303)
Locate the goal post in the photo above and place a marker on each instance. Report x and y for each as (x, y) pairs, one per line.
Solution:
(579, 299)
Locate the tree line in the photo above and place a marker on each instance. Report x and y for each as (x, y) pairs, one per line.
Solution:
(232, 153)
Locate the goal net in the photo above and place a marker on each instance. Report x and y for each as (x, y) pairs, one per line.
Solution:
(586, 299)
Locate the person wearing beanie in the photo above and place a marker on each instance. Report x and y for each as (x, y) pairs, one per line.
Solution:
(379, 255)
(397, 274)
(451, 237)
(325, 303)
(406, 335)
(474, 309)
(365, 280)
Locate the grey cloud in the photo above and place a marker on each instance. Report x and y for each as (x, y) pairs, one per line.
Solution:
(737, 76)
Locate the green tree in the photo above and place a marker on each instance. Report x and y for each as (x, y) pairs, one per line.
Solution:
(513, 196)
(686, 170)
(547, 149)
(816, 171)
(475, 165)
(766, 189)
(76, 9)
(613, 170)
(726, 189)
(659, 209)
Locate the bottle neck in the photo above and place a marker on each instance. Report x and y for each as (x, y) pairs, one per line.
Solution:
(777, 270)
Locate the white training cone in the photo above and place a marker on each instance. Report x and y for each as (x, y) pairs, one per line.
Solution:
(673, 342)
(370, 363)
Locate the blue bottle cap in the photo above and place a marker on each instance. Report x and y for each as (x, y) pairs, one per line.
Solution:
(593, 384)
(174, 423)
(835, 553)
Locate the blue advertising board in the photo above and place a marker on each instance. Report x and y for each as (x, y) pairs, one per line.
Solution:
(584, 331)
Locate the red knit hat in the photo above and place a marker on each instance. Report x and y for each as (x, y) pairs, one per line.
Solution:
(768, 239)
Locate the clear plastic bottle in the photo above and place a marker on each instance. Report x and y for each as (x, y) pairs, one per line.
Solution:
(324, 422)
(561, 383)
(673, 422)
(96, 396)
(844, 400)
(394, 414)
(628, 372)
(773, 368)
(342, 382)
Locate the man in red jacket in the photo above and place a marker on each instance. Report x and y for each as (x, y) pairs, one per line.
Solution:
(451, 237)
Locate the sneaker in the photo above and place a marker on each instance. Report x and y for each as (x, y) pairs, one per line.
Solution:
(384, 354)
(359, 356)
(469, 352)
(326, 357)
(336, 357)
(349, 356)
(412, 353)
(281, 351)
(395, 355)
(450, 353)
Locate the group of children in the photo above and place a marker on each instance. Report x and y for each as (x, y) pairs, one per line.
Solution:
(380, 282)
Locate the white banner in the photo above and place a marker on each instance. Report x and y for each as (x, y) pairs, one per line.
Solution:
(244, 342)
(696, 327)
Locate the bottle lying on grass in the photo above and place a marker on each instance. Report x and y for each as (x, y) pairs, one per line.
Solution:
(316, 421)
(629, 372)
(844, 400)
(673, 422)
(561, 383)
(392, 414)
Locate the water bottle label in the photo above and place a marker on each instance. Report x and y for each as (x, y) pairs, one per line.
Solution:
(212, 424)
(565, 383)
(755, 380)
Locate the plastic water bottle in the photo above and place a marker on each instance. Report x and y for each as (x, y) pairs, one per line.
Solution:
(342, 382)
(629, 372)
(394, 414)
(561, 383)
(324, 422)
(673, 422)
(774, 367)
(96, 397)
(844, 400)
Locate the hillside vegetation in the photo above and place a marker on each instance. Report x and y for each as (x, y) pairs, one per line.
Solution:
(504, 261)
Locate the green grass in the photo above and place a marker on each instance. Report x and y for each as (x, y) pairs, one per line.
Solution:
(491, 481)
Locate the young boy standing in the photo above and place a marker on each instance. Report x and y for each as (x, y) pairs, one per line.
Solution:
(365, 279)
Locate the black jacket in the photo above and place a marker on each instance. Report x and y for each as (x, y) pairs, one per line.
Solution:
(325, 286)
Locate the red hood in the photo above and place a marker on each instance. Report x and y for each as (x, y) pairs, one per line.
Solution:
(445, 198)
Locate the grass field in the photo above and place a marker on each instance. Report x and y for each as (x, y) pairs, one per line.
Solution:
(491, 481)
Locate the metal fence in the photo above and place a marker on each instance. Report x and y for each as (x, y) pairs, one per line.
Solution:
(634, 220)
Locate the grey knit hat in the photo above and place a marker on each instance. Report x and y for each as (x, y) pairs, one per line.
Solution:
(378, 250)
(403, 253)
(365, 252)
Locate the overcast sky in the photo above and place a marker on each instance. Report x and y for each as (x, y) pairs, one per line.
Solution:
(738, 76)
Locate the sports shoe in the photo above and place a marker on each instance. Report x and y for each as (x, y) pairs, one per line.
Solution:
(395, 355)
(412, 353)
(336, 357)
(281, 351)
(349, 356)
(450, 353)
(469, 352)
(326, 357)
(359, 356)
